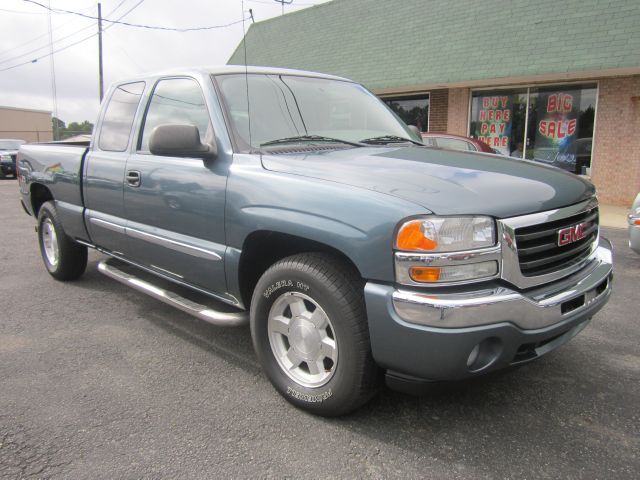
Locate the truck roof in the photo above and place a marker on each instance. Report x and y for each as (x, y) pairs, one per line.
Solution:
(229, 69)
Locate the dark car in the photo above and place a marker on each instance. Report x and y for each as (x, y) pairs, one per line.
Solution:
(456, 142)
(8, 154)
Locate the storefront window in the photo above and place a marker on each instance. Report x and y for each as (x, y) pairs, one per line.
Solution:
(498, 119)
(558, 120)
(560, 129)
(412, 110)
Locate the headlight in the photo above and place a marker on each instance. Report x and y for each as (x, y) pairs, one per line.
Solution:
(5, 158)
(446, 234)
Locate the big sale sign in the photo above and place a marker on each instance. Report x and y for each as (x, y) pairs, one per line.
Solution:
(557, 125)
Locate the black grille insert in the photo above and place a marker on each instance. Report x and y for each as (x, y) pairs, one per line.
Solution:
(538, 249)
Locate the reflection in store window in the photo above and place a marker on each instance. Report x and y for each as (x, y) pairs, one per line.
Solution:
(560, 129)
(498, 119)
(559, 124)
(412, 110)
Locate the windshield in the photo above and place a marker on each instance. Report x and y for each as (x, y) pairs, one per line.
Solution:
(10, 144)
(306, 109)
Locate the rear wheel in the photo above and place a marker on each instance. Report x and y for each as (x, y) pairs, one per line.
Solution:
(309, 330)
(63, 258)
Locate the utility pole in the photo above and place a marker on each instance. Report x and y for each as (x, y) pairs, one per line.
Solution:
(283, 2)
(100, 51)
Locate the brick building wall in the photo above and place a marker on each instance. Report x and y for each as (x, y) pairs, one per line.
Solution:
(438, 110)
(458, 112)
(616, 147)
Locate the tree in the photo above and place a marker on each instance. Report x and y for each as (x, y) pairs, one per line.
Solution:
(62, 131)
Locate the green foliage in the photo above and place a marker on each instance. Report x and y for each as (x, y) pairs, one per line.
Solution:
(62, 131)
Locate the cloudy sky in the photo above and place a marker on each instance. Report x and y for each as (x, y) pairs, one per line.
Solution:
(127, 50)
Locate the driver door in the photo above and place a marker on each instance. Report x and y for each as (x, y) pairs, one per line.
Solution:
(175, 206)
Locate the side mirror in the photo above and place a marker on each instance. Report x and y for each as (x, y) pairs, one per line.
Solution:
(176, 140)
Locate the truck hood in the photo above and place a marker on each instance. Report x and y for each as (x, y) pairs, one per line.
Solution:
(444, 182)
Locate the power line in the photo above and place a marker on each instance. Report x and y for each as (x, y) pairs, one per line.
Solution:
(29, 42)
(137, 25)
(93, 35)
(49, 54)
(58, 40)
(19, 11)
(271, 2)
(124, 14)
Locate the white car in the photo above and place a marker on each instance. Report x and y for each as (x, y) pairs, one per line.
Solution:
(634, 225)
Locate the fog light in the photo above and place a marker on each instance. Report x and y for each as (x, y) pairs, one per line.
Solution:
(484, 354)
(473, 356)
(454, 273)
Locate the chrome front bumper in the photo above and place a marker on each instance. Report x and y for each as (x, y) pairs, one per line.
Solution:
(534, 309)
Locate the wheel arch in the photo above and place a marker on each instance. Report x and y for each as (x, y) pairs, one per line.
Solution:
(263, 248)
(39, 194)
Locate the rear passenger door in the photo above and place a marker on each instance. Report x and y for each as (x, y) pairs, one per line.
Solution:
(175, 206)
(105, 166)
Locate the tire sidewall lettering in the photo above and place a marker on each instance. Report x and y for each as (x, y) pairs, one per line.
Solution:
(285, 283)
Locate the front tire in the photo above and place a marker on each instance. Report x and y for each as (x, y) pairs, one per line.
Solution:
(310, 333)
(63, 258)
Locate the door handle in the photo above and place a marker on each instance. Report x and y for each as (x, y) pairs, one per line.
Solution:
(133, 178)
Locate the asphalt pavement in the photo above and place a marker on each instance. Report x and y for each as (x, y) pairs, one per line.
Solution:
(100, 381)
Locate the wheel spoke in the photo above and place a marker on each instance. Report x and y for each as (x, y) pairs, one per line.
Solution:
(280, 324)
(294, 359)
(328, 348)
(297, 306)
(316, 367)
(318, 319)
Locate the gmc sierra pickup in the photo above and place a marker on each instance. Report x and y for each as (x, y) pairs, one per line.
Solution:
(300, 204)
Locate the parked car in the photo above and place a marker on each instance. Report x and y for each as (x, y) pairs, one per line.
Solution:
(456, 142)
(349, 247)
(8, 154)
(634, 225)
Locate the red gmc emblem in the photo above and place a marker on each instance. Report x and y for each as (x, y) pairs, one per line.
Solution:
(572, 234)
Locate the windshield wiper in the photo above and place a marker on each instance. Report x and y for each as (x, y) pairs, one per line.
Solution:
(385, 139)
(310, 139)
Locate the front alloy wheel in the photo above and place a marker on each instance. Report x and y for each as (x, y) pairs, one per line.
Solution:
(302, 339)
(310, 333)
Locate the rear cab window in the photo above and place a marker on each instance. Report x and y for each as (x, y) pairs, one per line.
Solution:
(119, 116)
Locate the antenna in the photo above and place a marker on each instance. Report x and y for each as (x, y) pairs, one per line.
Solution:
(246, 69)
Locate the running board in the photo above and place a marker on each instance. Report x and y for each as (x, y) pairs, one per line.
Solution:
(203, 312)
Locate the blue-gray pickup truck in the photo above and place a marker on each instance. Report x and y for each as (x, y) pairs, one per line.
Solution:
(299, 204)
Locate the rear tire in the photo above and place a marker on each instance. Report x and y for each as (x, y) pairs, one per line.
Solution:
(310, 333)
(63, 258)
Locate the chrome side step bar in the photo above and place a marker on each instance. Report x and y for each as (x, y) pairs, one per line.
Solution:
(223, 319)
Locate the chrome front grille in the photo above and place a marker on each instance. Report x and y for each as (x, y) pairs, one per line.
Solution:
(531, 255)
(538, 249)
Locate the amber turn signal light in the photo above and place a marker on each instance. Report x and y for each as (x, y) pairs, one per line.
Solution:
(424, 274)
(411, 237)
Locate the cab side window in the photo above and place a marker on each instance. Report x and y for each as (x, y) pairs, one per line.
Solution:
(176, 101)
(118, 117)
